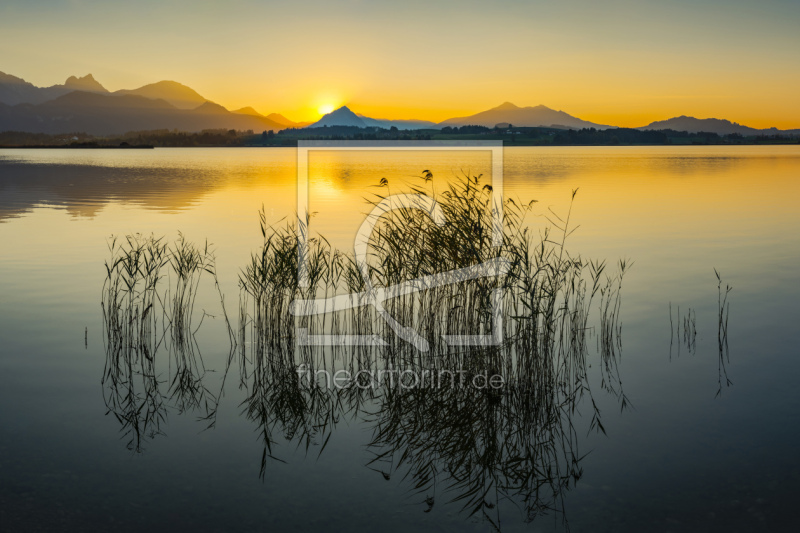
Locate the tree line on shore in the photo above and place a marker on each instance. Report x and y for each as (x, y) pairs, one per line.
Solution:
(510, 135)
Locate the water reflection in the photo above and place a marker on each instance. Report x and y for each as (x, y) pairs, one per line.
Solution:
(469, 424)
(139, 318)
(83, 190)
(683, 332)
(473, 425)
(723, 308)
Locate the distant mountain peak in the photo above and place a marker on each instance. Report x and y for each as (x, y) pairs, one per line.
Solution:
(695, 125)
(75, 79)
(340, 117)
(210, 107)
(283, 121)
(8, 78)
(248, 111)
(86, 83)
(170, 84)
(508, 113)
(177, 94)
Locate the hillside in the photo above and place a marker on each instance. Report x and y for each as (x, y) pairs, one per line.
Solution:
(538, 116)
(175, 93)
(14, 90)
(99, 114)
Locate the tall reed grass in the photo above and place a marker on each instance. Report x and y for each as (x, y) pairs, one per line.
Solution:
(477, 446)
(723, 309)
(148, 302)
(537, 303)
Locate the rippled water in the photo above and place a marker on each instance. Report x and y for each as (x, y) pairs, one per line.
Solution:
(682, 458)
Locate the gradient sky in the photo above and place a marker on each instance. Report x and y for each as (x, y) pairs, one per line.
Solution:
(623, 63)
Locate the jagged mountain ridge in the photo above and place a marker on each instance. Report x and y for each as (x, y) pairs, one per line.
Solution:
(109, 114)
(20, 103)
(14, 90)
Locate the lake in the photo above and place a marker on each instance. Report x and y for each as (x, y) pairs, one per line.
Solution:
(705, 440)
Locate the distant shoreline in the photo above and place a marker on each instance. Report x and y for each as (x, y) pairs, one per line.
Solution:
(505, 145)
(78, 147)
(289, 138)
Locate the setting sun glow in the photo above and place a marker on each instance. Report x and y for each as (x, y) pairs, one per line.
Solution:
(730, 60)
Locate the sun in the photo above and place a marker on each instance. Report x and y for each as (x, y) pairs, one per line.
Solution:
(324, 109)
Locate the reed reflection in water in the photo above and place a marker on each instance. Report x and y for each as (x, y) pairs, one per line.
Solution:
(494, 422)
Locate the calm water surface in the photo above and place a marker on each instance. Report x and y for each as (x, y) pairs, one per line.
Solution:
(681, 458)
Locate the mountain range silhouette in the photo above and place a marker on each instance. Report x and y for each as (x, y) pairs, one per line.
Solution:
(82, 104)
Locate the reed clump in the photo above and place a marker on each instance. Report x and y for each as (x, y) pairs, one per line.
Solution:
(723, 309)
(148, 302)
(527, 319)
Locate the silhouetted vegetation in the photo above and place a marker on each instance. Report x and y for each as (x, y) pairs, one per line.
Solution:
(135, 139)
(166, 138)
(143, 310)
(456, 440)
(21, 139)
(511, 136)
(611, 137)
(465, 130)
(473, 447)
(353, 133)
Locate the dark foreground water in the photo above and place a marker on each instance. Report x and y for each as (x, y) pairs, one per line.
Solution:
(691, 452)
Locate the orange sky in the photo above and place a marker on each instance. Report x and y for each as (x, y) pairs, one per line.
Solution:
(624, 63)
